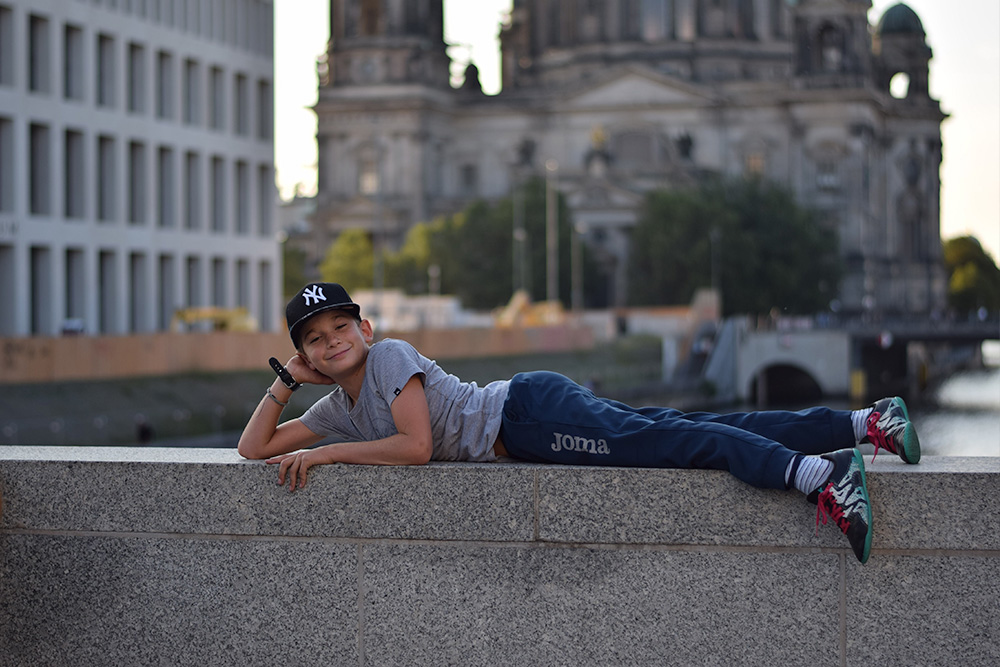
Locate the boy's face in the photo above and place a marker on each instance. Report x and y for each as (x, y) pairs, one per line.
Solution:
(335, 343)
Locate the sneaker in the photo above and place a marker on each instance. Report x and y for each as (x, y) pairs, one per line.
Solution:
(890, 428)
(844, 498)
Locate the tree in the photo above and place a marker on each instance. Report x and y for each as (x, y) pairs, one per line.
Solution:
(408, 268)
(350, 260)
(973, 276)
(473, 251)
(768, 251)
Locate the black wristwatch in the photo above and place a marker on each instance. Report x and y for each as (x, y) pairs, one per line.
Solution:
(283, 374)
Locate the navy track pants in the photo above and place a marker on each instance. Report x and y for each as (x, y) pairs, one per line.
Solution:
(548, 418)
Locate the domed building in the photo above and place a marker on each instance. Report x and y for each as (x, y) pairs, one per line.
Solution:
(627, 96)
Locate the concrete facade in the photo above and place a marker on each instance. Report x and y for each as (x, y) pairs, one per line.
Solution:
(613, 99)
(137, 172)
(137, 556)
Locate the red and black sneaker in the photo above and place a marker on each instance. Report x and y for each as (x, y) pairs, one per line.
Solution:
(844, 498)
(890, 428)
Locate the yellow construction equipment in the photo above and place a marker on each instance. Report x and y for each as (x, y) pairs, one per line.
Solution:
(222, 319)
(521, 312)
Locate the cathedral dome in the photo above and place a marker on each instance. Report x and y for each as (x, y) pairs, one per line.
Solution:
(900, 20)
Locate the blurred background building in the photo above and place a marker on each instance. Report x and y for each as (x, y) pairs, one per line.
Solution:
(615, 98)
(136, 163)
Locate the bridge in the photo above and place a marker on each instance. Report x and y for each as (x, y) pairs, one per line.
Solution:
(801, 360)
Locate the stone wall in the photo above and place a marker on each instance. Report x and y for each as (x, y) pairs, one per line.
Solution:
(112, 556)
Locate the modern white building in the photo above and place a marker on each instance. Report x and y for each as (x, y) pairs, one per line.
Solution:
(136, 163)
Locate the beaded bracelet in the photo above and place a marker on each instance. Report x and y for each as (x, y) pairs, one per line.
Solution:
(274, 398)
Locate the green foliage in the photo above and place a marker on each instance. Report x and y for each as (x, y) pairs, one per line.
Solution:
(408, 268)
(473, 251)
(769, 252)
(350, 261)
(974, 279)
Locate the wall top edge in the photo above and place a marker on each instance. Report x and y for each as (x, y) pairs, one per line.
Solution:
(193, 455)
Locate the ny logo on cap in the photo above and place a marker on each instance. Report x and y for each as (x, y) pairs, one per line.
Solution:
(315, 293)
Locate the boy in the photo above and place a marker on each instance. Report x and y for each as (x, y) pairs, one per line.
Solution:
(392, 406)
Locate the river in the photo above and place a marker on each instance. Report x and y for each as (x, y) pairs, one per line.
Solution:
(962, 416)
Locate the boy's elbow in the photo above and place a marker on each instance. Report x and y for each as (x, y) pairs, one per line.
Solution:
(248, 451)
(422, 451)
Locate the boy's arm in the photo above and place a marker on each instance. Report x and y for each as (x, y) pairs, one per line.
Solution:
(411, 445)
(263, 437)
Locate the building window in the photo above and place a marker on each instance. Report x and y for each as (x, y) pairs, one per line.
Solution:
(75, 288)
(105, 71)
(168, 292)
(6, 164)
(371, 15)
(831, 42)
(368, 176)
(265, 188)
(219, 282)
(243, 283)
(218, 196)
(164, 85)
(40, 259)
(242, 198)
(899, 85)
(242, 105)
(165, 190)
(6, 47)
(136, 78)
(469, 180)
(192, 89)
(754, 164)
(107, 297)
(264, 106)
(136, 182)
(74, 164)
(194, 281)
(73, 76)
(265, 305)
(39, 48)
(39, 170)
(217, 99)
(192, 191)
(106, 178)
(657, 20)
(827, 177)
(137, 286)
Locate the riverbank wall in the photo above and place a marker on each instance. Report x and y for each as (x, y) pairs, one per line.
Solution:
(114, 556)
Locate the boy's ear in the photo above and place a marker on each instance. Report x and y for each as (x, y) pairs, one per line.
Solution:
(304, 358)
(368, 330)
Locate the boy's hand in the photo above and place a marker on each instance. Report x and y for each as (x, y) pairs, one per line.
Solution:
(304, 374)
(296, 465)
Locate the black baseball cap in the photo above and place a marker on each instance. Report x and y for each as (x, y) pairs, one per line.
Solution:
(315, 298)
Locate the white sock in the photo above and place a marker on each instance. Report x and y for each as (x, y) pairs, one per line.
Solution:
(859, 419)
(811, 473)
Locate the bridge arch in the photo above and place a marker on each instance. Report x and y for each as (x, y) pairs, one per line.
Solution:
(783, 384)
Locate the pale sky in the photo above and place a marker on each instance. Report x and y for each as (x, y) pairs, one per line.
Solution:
(965, 76)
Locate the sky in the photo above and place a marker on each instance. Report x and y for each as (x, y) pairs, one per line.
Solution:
(964, 75)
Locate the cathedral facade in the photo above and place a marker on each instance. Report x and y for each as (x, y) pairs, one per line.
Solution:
(611, 99)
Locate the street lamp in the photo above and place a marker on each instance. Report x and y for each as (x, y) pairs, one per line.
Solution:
(576, 266)
(551, 232)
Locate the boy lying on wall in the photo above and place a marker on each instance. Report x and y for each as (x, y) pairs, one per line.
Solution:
(392, 406)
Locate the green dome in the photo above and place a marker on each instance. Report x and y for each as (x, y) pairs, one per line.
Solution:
(900, 20)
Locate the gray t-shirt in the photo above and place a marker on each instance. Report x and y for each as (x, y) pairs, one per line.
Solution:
(465, 419)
